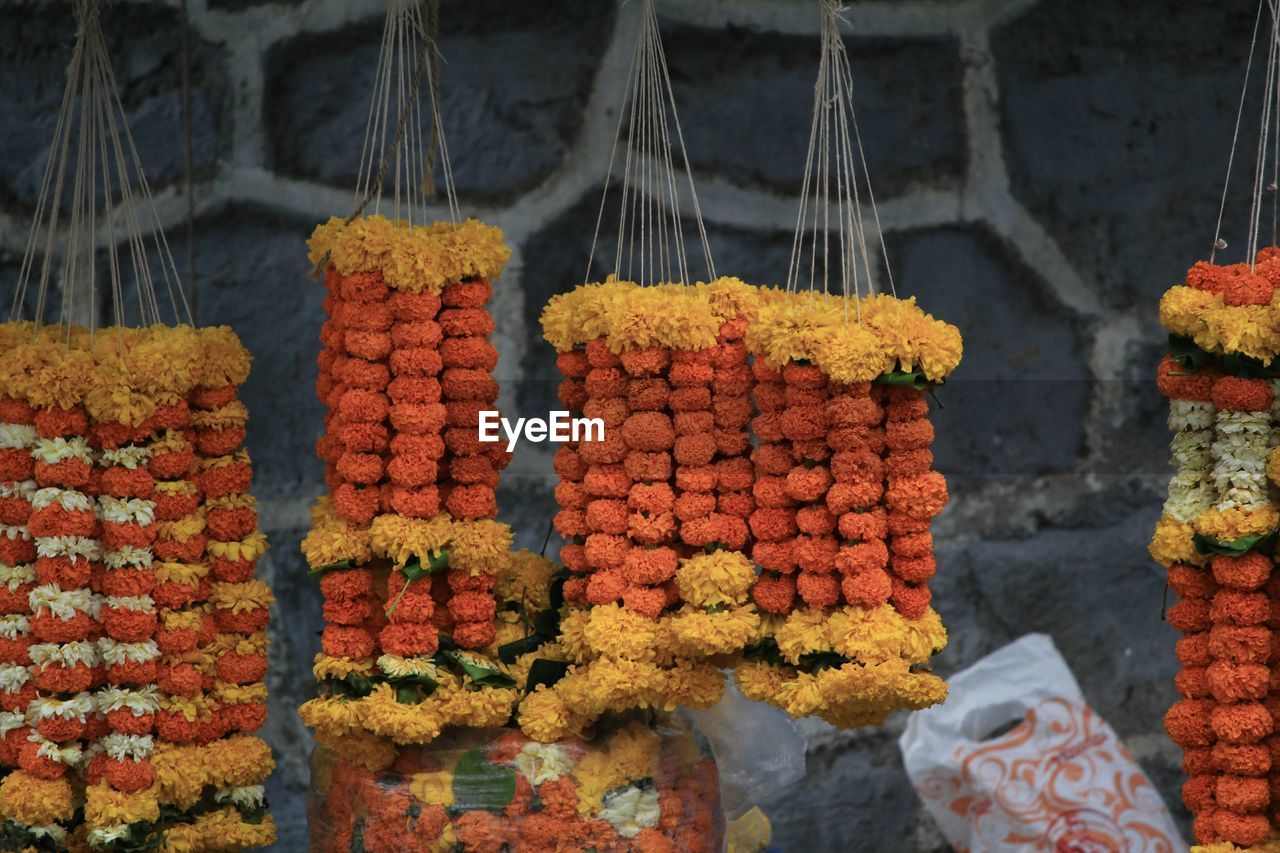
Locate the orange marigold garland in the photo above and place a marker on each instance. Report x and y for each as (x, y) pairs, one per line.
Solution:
(1213, 540)
(844, 495)
(109, 651)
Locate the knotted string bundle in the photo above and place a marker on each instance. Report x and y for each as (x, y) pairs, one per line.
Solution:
(844, 482)
(1216, 537)
(133, 633)
(408, 555)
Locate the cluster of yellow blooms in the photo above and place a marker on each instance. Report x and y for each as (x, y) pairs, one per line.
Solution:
(413, 258)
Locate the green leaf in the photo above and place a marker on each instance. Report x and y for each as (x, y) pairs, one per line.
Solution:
(483, 676)
(716, 608)
(904, 379)
(408, 694)
(1207, 545)
(436, 560)
(341, 564)
(508, 652)
(545, 671)
(1186, 354)
(480, 784)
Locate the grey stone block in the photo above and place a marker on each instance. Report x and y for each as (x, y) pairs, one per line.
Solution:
(143, 43)
(514, 81)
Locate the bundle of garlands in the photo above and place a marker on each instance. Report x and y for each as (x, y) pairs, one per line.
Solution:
(132, 631)
(1216, 539)
(134, 634)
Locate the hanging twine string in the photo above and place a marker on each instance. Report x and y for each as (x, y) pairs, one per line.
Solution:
(103, 173)
(188, 158)
(394, 144)
(650, 242)
(1268, 138)
(836, 176)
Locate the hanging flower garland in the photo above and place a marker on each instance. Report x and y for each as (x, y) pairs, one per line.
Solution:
(845, 492)
(106, 567)
(1214, 538)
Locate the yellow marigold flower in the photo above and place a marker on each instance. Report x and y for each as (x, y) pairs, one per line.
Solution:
(544, 716)
(180, 773)
(401, 539)
(334, 542)
(691, 684)
(1172, 543)
(1273, 465)
(35, 802)
(645, 316)
(1231, 524)
(868, 636)
(731, 297)
(617, 632)
(479, 546)
(760, 681)
(799, 697)
(573, 627)
(526, 580)
(852, 352)
(359, 747)
(181, 529)
(239, 597)
(923, 637)
(724, 632)
(105, 807)
(184, 573)
(803, 631)
(383, 715)
(435, 788)
(721, 577)
(750, 833)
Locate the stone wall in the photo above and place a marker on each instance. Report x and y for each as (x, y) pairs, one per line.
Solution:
(1045, 170)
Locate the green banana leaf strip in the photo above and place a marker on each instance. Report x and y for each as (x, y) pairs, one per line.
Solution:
(1248, 368)
(480, 675)
(904, 379)
(545, 671)
(436, 560)
(1186, 354)
(545, 627)
(1207, 545)
(480, 784)
(341, 564)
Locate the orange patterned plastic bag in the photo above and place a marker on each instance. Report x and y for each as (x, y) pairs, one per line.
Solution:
(1015, 759)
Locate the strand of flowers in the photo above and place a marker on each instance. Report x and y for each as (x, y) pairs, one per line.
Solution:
(570, 470)
(17, 574)
(235, 661)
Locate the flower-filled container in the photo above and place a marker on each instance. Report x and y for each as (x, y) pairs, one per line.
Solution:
(634, 785)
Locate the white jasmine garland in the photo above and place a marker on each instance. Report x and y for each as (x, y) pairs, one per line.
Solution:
(14, 625)
(45, 707)
(115, 653)
(11, 532)
(13, 676)
(631, 809)
(121, 746)
(543, 762)
(11, 721)
(62, 603)
(130, 456)
(141, 700)
(1239, 452)
(68, 754)
(74, 547)
(24, 489)
(64, 654)
(17, 436)
(398, 667)
(129, 557)
(51, 451)
(51, 831)
(68, 499)
(126, 510)
(139, 603)
(16, 576)
(245, 796)
(104, 835)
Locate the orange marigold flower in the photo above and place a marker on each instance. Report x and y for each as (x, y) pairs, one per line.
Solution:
(605, 550)
(739, 505)
(346, 584)
(474, 635)
(649, 566)
(694, 399)
(908, 435)
(1239, 608)
(415, 306)
(52, 423)
(348, 612)
(1198, 792)
(867, 589)
(1247, 572)
(803, 423)
(649, 431)
(774, 593)
(849, 496)
(605, 586)
(691, 505)
(466, 322)
(818, 590)
(1234, 682)
(772, 524)
(407, 639)
(55, 678)
(651, 528)
(420, 502)
(648, 467)
(910, 601)
(815, 553)
(1243, 722)
(573, 363)
(1242, 644)
(645, 601)
(128, 626)
(1231, 393)
(691, 374)
(606, 382)
(599, 355)
(416, 361)
(808, 484)
(648, 395)
(1188, 722)
(915, 569)
(775, 556)
(340, 641)
(1243, 830)
(359, 373)
(573, 394)
(646, 361)
(481, 831)
(472, 606)
(66, 573)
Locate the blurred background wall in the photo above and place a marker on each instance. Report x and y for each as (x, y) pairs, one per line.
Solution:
(1045, 170)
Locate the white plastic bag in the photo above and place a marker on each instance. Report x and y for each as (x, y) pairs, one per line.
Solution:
(759, 749)
(1015, 759)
